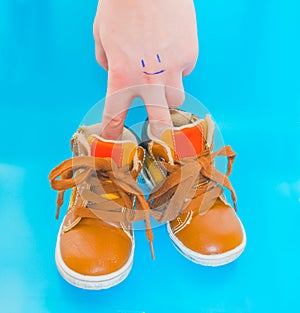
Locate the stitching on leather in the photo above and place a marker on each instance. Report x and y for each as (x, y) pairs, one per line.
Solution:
(154, 160)
(183, 224)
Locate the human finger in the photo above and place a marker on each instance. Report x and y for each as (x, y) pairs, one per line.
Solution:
(157, 108)
(174, 90)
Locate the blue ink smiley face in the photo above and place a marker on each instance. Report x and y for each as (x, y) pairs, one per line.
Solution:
(153, 73)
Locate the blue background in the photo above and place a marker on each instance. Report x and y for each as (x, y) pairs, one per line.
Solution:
(247, 76)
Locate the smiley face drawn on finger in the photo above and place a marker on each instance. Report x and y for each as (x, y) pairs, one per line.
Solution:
(153, 73)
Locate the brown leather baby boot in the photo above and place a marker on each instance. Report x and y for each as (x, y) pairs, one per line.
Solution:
(188, 190)
(95, 243)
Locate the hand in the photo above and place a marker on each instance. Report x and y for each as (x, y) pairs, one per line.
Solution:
(146, 46)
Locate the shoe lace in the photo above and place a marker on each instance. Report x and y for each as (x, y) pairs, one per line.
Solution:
(108, 192)
(191, 184)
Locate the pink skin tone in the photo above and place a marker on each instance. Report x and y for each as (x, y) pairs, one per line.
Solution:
(146, 46)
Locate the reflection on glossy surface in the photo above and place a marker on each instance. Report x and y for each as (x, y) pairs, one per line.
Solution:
(247, 76)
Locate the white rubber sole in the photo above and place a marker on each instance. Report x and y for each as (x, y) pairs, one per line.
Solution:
(208, 260)
(91, 282)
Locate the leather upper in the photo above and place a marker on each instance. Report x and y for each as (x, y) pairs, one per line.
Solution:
(94, 247)
(215, 232)
(208, 225)
(89, 244)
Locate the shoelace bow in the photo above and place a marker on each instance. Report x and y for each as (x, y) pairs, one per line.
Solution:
(191, 184)
(94, 177)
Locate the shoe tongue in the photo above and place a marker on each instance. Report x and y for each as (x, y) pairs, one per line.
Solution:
(122, 152)
(188, 140)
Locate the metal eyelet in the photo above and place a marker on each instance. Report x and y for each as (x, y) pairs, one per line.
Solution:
(161, 159)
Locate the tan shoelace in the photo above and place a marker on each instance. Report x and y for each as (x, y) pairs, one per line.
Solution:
(99, 179)
(191, 184)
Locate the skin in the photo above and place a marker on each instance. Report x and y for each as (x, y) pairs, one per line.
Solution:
(146, 46)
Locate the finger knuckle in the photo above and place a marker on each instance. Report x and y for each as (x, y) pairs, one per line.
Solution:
(176, 97)
(118, 77)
